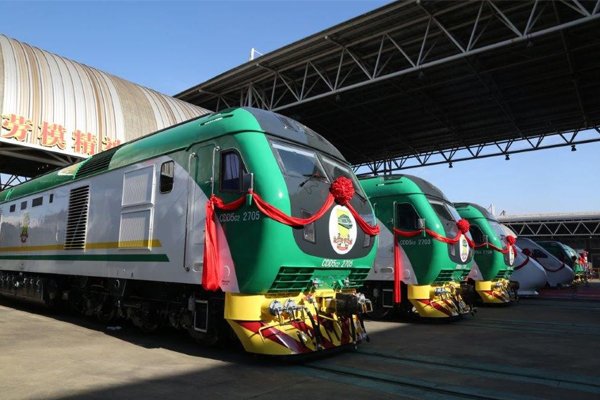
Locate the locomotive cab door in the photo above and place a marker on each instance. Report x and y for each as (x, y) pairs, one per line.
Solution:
(201, 184)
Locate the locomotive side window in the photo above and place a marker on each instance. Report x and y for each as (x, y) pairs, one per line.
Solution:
(13, 208)
(167, 175)
(37, 202)
(232, 170)
(23, 205)
(406, 217)
(476, 234)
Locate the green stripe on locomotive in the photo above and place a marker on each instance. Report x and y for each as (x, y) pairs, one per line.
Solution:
(491, 263)
(430, 260)
(265, 253)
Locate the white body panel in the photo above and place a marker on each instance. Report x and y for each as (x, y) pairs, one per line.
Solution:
(475, 272)
(383, 269)
(558, 273)
(125, 207)
(531, 276)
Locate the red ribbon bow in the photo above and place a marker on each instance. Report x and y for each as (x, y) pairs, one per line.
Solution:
(463, 226)
(342, 190)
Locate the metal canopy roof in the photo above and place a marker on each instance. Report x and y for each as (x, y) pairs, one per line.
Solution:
(424, 82)
(555, 225)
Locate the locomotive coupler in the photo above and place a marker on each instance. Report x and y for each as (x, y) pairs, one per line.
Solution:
(348, 304)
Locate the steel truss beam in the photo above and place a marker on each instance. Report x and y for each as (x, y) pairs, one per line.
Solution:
(434, 38)
(589, 228)
(8, 181)
(349, 66)
(19, 163)
(504, 148)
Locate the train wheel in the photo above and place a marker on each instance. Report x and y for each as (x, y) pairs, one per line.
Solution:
(144, 318)
(106, 313)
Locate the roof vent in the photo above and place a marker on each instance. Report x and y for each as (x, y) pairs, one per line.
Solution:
(97, 163)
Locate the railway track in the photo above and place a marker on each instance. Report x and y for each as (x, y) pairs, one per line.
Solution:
(565, 304)
(448, 379)
(546, 328)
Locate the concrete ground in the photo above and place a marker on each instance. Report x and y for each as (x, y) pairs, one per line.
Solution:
(537, 349)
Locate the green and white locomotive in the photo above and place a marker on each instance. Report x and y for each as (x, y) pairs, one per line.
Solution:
(424, 251)
(494, 256)
(241, 221)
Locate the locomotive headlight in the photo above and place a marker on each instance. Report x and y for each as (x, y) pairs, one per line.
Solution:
(309, 230)
(370, 219)
(367, 241)
(309, 233)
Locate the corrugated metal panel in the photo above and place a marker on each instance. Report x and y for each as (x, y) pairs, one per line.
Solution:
(48, 96)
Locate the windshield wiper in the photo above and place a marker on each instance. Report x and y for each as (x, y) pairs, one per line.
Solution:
(312, 176)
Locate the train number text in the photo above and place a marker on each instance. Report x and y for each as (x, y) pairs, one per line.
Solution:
(246, 216)
(331, 263)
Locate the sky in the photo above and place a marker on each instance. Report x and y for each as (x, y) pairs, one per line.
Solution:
(170, 46)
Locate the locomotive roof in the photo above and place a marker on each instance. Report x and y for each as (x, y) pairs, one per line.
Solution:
(177, 137)
(465, 205)
(425, 186)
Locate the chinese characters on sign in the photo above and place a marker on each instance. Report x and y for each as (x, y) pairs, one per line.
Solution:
(53, 135)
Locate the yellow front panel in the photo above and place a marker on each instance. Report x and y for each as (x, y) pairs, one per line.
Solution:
(483, 285)
(419, 291)
(243, 307)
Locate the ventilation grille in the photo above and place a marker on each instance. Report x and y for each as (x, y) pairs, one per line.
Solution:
(502, 275)
(293, 280)
(357, 277)
(290, 279)
(97, 163)
(444, 276)
(77, 218)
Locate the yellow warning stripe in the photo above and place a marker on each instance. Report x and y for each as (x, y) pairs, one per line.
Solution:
(130, 244)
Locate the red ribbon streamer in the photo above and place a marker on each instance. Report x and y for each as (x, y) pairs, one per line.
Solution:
(279, 216)
(340, 192)
(211, 273)
(510, 240)
(524, 263)
(463, 227)
(398, 269)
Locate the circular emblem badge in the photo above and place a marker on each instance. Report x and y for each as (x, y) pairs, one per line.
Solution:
(511, 256)
(342, 229)
(463, 248)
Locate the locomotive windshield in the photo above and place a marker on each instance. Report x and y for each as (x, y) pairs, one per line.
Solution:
(306, 165)
(570, 254)
(497, 229)
(299, 163)
(447, 215)
(334, 170)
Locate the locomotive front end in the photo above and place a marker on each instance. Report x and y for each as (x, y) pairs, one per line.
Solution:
(494, 256)
(302, 243)
(423, 229)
